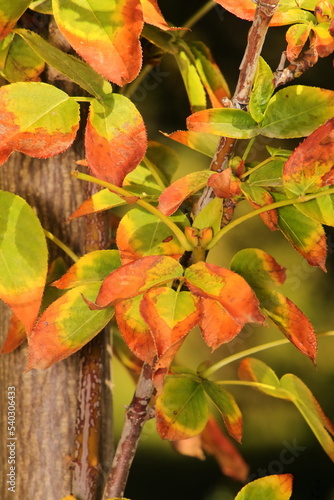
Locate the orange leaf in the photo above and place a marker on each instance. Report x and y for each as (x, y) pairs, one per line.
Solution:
(16, 335)
(152, 15)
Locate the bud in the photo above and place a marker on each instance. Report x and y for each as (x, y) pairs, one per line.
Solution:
(324, 11)
(205, 236)
(192, 235)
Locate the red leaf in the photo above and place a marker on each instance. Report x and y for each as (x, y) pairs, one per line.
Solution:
(224, 184)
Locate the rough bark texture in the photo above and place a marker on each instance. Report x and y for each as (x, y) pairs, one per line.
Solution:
(45, 400)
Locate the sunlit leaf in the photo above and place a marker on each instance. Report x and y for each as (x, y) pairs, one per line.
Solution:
(180, 190)
(297, 111)
(91, 268)
(292, 389)
(227, 406)
(65, 327)
(182, 408)
(140, 233)
(276, 487)
(263, 274)
(23, 259)
(10, 12)
(270, 174)
(311, 168)
(323, 39)
(16, 335)
(152, 14)
(18, 62)
(42, 6)
(225, 184)
(164, 158)
(103, 200)
(227, 122)
(37, 119)
(210, 74)
(262, 90)
(75, 69)
(135, 330)
(199, 141)
(192, 82)
(296, 36)
(210, 215)
(137, 277)
(105, 33)
(115, 138)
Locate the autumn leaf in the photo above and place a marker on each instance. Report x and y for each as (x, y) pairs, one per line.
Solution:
(152, 15)
(37, 119)
(140, 234)
(227, 122)
(260, 197)
(23, 259)
(115, 138)
(199, 141)
(309, 169)
(275, 487)
(225, 184)
(18, 62)
(105, 34)
(137, 277)
(192, 81)
(65, 327)
(296, 36)
(180, 190)
(228, 288)
(182, 408)
(100, 201)
(16, 335)
(10, 12)
(263, 274)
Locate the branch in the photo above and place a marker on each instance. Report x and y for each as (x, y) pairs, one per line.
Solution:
(284, 75)
(264, 11)
(137, 414)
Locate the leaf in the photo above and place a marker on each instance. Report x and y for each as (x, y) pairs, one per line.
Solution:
(135, 330)
(323, 39)
(199, 141)
(160, 39)
(180, 190)
(19, 63)
(245, 9)
(269, 175)
(228, 288)
(296, 36)
(91, 268)
(192, 82)
(37, 119)
(140, 234)
(307, 236)
(262, 90)
(105, 34)
(216, 443)
(23, 259)
(297, 111)
(263, 274)
(210, 215)
(65, 327)
(227, 406)
(170, 316)
(10, 12)
(164, 158)
(210, 74)
(137, 277)
(276, 487)
(181, 409)
(309, 169)
(217, 326)
(115, 138)
(16, 335)
(100, 201)
(75, 69)
(42, 6)
(227, 122)
(225, 184)
(152, 15)
(292, 389)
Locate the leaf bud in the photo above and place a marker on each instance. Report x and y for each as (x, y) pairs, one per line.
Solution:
(192, 235)
(324, 11)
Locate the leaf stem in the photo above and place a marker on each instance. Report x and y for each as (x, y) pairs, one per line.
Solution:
(245, 383)
(266, 208)
(61, 245)
(260, 165)
(253, 350)
(150, 208)
(155, 173)
(248, 148)
(132, 87)
(191, 21)
(82, 98)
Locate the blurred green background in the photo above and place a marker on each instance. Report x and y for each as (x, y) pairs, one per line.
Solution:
(158, 472)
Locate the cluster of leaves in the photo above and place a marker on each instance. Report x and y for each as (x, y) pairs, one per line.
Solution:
(157, 300)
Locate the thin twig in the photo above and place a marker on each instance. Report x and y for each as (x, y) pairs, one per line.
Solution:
(137, 414)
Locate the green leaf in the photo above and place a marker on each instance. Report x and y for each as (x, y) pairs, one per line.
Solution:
(75, 69)
(182, 408)
(10, 12)
(161, 39)
(227, 122)
(115, 138)
(91, 268)
(276, 487)
(194, 87)
(297, 111)
(210, 215)
(263, 274)
(227, 406)
(141, 233)
(269, 175)
(262, 90)
(19, 63)
(42, 6)
(105, 33)
(164, 158)
(23, 258)
(37, 119)
(103, 200)
(199, 141)
(65, 327)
